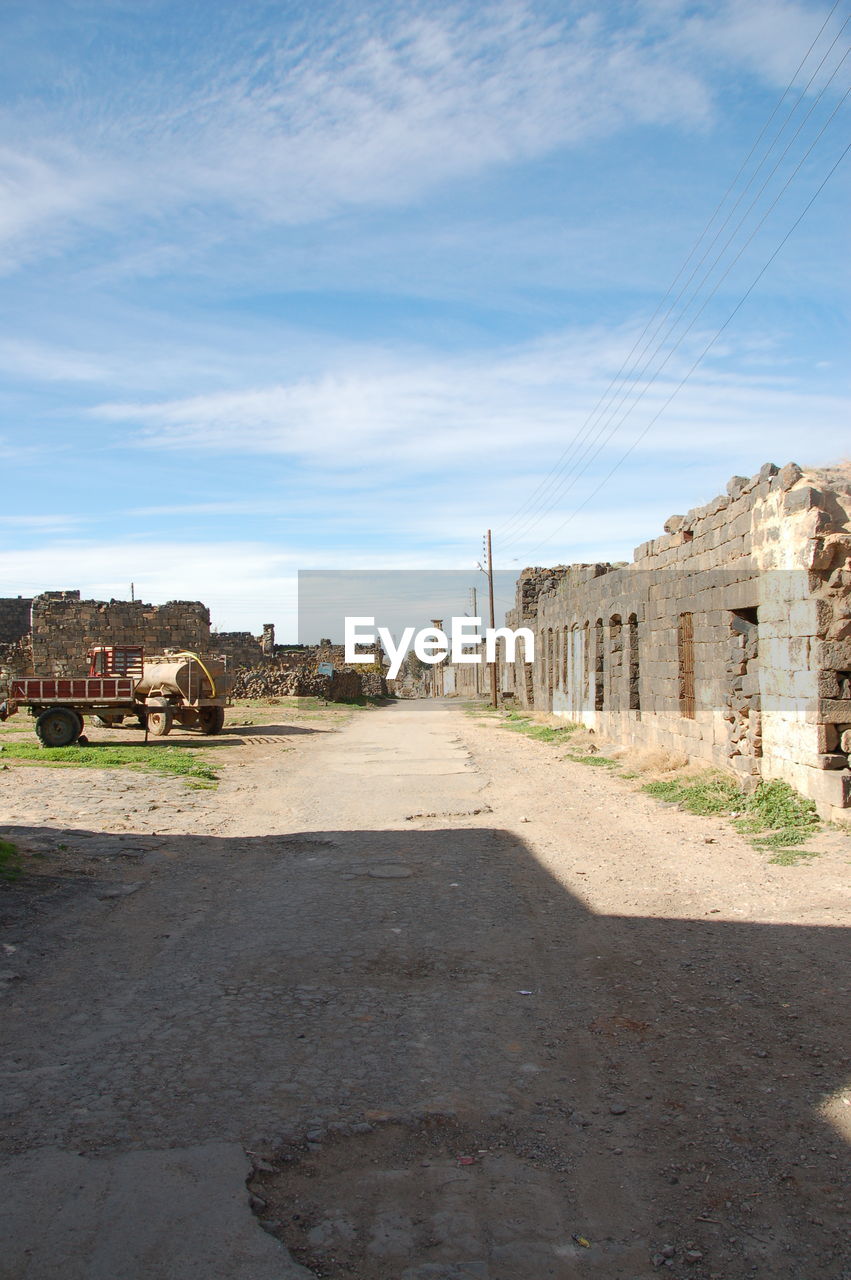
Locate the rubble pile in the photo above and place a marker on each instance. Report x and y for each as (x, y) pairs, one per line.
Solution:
(303, 682)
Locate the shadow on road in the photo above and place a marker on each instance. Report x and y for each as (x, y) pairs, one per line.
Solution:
(417, 998)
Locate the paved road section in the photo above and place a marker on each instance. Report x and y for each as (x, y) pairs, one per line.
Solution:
(360, 1019)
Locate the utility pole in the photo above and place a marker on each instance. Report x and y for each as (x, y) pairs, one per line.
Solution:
(494, 697)
(132, 592)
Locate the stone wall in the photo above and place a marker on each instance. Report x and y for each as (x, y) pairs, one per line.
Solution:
(728, 639)
(15, 660)
(240, 648)
(14, 619)
(64, 628)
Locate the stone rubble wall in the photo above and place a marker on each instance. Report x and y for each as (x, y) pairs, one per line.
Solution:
(15, 660)
(14, 619)
(64, 628)
(238, 648)
(727, 640)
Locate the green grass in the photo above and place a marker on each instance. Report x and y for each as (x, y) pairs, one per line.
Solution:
(601, 762)
(174, 760)
(776, 817)
(10, 861)
(710, 793)
(519, 722)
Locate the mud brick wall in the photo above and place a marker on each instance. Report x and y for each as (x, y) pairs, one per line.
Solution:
(728, 639)
(14, 619)
(64, 628)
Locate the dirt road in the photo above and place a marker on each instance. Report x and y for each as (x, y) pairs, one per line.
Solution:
(456, 1008)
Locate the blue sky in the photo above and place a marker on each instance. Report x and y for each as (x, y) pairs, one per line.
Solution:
(334, 286)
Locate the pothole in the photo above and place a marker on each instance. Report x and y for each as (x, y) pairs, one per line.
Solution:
(418, 1199)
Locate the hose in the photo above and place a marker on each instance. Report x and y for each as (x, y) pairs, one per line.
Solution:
(203, 667)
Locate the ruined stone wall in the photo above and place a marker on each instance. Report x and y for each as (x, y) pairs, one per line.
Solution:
(240, 648)
(14, 619)
(64, 628)
(15, 660)
(728, 639)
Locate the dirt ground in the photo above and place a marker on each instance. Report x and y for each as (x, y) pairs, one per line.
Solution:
(472, 1011)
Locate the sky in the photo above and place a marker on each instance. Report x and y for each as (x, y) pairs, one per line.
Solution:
(340, 286)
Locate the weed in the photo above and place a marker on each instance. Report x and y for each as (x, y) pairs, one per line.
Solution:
(776, 817)
(10, 861)
(708, 793)
(172, 760)
(602, 762)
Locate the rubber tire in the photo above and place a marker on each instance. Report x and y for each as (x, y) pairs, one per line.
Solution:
(58, 727)
(160, 721)
(211, 719)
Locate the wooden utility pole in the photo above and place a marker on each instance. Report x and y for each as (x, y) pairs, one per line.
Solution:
(494, 697)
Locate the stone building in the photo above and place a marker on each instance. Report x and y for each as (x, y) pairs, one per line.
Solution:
(728, 638)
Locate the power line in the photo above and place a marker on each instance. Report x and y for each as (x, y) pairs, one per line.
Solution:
(703, 353)
(534, 519)
(547, 482)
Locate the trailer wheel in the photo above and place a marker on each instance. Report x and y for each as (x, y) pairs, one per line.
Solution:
(211, 719)
(58, 727)
(160, 722)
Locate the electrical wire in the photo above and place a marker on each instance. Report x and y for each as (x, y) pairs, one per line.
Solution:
(589, 453)
(703, 353)
(547, 482)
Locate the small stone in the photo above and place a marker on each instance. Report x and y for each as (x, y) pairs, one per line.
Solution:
(694, 1255)
(524, 819)
(258, 1204)
(617, 1109)
(668, 1251)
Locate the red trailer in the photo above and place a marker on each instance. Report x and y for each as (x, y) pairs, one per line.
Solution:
(177, 687)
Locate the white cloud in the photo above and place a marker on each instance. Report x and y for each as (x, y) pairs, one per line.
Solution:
(375, 111)
(424, 413)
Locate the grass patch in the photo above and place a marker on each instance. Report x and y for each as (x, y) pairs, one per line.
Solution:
(181, 763)
(520, 722)
(10, 861)
(479, 709)
(708, 794)
(600, 762)
(776, 817)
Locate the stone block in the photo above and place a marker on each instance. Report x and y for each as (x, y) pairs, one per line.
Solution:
(833, 760)
(828, 787)
(833, 654)
(834, 710)
(803, 499)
